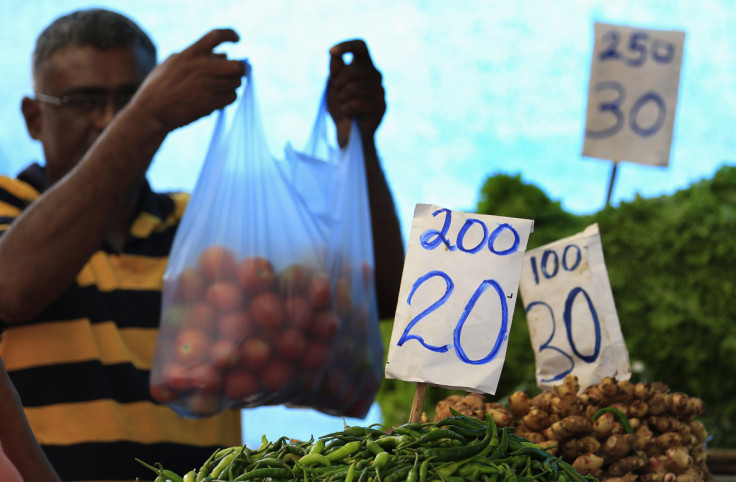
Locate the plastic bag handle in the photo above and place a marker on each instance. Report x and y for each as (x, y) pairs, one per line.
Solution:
(319, 145)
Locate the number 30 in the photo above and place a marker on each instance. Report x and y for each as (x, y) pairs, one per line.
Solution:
(567, 318)
(614, 108)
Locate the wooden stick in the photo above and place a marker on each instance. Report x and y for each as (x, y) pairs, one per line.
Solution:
(417, 403)
(610, 183)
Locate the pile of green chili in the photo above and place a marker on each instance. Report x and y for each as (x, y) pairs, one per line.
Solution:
(456, 449)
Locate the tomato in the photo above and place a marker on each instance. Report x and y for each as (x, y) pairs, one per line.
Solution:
(316, 355)
(367, 272)
(294, 279)
(267, 310)
(348, 397)
(240, 384)
(217, 263)
(255, 274)
(254, 353)
(189, 285)
(346, 350)
(325, 325)
(320, 291)
(200, 315)
(203, 404)
(192, 346)
(298, 312)
(371, 382)
(162, 393)
(290, 344)
(172, 318)
(334, 381)
(359, 408)
(225, 296)
(308, 384)
(276, 375)
(235, 325)
(224, 353)
(205, 377)
(176, 376)
(343, 296)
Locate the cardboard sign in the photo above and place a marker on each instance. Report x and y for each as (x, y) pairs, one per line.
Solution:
(572, 318)
(632, 95)
(457, 297)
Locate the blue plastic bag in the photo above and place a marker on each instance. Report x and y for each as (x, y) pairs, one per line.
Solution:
(269, 293)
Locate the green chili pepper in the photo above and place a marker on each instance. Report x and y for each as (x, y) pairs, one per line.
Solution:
(537, 453)
(423, 469)
(270, 462)
(202, 471)
(620, 416)
(392, 441)
(272, 472)
(467, 451)
(570, 471)
(413, 425)
(436, 434)
(381, 460)
(503, 445)
(472, 467)
(190, 476)
(225, 462)
(373, 446)
(351, 473)
(400, 473)
(348, 449)
(450, 468)
(413, 473)
(314, 459)
(355, 431)
(327, 470)
(470, 419)
(162, 474)
(318, 447)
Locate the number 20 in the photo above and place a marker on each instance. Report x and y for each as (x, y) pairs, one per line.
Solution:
(450, 286)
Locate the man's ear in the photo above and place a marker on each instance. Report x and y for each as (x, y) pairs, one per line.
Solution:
(32, 113)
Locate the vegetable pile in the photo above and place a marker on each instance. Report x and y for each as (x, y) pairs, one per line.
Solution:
(456, 448)
(615, 431)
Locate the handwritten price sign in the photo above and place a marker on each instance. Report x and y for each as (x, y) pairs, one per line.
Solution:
(634, 77)
(457, 297)
(572, 318)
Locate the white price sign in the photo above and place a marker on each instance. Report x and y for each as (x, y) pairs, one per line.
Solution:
(571, 314)
(632, 94)
(457, 297)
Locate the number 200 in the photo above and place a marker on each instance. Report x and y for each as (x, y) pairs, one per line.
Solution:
(431, 239)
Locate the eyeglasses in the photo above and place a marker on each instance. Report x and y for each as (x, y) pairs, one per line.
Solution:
(86, 103)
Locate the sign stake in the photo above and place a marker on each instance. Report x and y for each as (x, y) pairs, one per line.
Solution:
(610, 184)
(417, 403)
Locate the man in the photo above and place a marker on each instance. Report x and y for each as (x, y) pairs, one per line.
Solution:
(21, 458)
(84, 241)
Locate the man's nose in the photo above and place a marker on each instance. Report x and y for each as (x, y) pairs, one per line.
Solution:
(106, 111)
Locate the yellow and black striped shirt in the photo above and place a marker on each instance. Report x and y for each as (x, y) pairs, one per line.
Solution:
(82, 366)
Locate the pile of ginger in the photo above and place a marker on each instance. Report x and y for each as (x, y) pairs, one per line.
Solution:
(616, 431)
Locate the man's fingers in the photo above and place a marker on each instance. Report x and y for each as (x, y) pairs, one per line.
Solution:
(212, 39)
(357, 47)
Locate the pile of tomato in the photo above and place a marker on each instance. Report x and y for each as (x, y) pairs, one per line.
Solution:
(239, 333)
